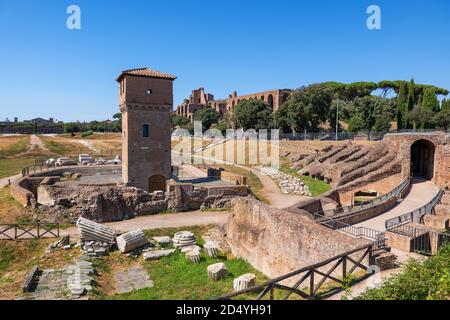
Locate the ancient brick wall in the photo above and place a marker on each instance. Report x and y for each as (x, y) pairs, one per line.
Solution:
(277, 242)
(401, 143)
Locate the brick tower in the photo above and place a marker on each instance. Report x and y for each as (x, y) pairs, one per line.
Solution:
(146, 102)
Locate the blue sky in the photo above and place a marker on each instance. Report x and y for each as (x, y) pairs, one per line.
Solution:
(222, 45)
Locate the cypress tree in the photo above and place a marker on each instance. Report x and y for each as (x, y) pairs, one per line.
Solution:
(430, 101)
(402, 111)
(445, 105)
(411, 98)
(411, 95)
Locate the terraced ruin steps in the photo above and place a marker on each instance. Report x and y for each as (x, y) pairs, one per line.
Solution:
(351, 165)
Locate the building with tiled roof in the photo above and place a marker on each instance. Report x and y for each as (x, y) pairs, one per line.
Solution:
(146, 72)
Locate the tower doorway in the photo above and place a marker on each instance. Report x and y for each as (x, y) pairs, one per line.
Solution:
(422, 159)
(156, 183)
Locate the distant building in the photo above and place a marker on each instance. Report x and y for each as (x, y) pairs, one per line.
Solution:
(274, 98)
(33, 126)
(197, 100)
(200, 100)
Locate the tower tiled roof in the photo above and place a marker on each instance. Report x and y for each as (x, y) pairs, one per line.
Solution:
(146, 72)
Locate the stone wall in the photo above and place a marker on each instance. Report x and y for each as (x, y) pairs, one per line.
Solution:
(277, 242)
(401, 144)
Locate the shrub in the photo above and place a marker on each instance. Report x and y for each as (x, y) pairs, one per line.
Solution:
(86, 133)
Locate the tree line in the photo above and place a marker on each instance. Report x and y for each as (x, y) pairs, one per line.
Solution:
(95, 126)
(360, 106)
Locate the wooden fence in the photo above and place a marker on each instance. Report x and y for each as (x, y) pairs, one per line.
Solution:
(27, 231)
(314, 277)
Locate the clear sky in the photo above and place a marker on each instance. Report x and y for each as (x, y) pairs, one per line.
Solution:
(48, 70)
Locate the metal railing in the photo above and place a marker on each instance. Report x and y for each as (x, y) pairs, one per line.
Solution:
(333, 213)
(416, 215)
(357, 232)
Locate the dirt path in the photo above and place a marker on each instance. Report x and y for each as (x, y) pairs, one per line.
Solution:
(36, 143)
(272, 192)
(86, 143)
(5, 181)
(185, 219)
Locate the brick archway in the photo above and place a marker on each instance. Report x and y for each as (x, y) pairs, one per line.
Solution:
(156, 183)
(422, 159)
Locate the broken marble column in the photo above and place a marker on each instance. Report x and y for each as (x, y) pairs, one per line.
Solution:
(244, 282)
(131, 241)
(212, 249)
(157, 254)
(194, 256)
(92, 231)
(217, 271)
(184, 239)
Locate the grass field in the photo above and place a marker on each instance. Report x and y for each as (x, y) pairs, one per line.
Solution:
(11, 146)
(316, 187)
(9, 167)
(252, 180)
(174, 276)
(10, 210)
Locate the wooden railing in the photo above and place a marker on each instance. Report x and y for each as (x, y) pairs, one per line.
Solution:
(314, 277)
(26, 231)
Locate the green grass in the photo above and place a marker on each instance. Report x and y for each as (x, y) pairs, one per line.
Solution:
(16, 148)
(9, 167)
(316, 187)
(86, 134)
(55, 147)
(429, 280)
(11, 252)
(176, 278)
(252, 180)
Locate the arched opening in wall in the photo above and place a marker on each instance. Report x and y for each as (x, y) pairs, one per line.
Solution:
(270, 100)
(422, 159)
(364, 196)
(156, 183)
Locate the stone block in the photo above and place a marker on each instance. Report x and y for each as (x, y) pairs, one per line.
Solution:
(386, 261)
(217, 271)
(244, 282)
(164, 240)
(194, 256)
(158, 254)
(212, 249)
(131, 241)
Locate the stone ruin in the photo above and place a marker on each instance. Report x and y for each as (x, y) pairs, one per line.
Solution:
(65, 200)
(288, 184)
(349, 165)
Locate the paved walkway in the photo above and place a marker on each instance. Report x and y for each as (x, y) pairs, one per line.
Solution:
(5, 181)
(422, 192)
(378, 279)
(185, 219)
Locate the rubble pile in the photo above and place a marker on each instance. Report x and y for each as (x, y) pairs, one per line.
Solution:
(288, 184)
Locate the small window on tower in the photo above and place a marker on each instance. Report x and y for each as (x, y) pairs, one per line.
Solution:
(145, 130)
(149, 92)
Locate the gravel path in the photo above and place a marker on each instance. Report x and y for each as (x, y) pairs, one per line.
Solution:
(37, 143)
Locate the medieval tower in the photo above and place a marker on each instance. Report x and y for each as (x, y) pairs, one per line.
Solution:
(146, 102)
